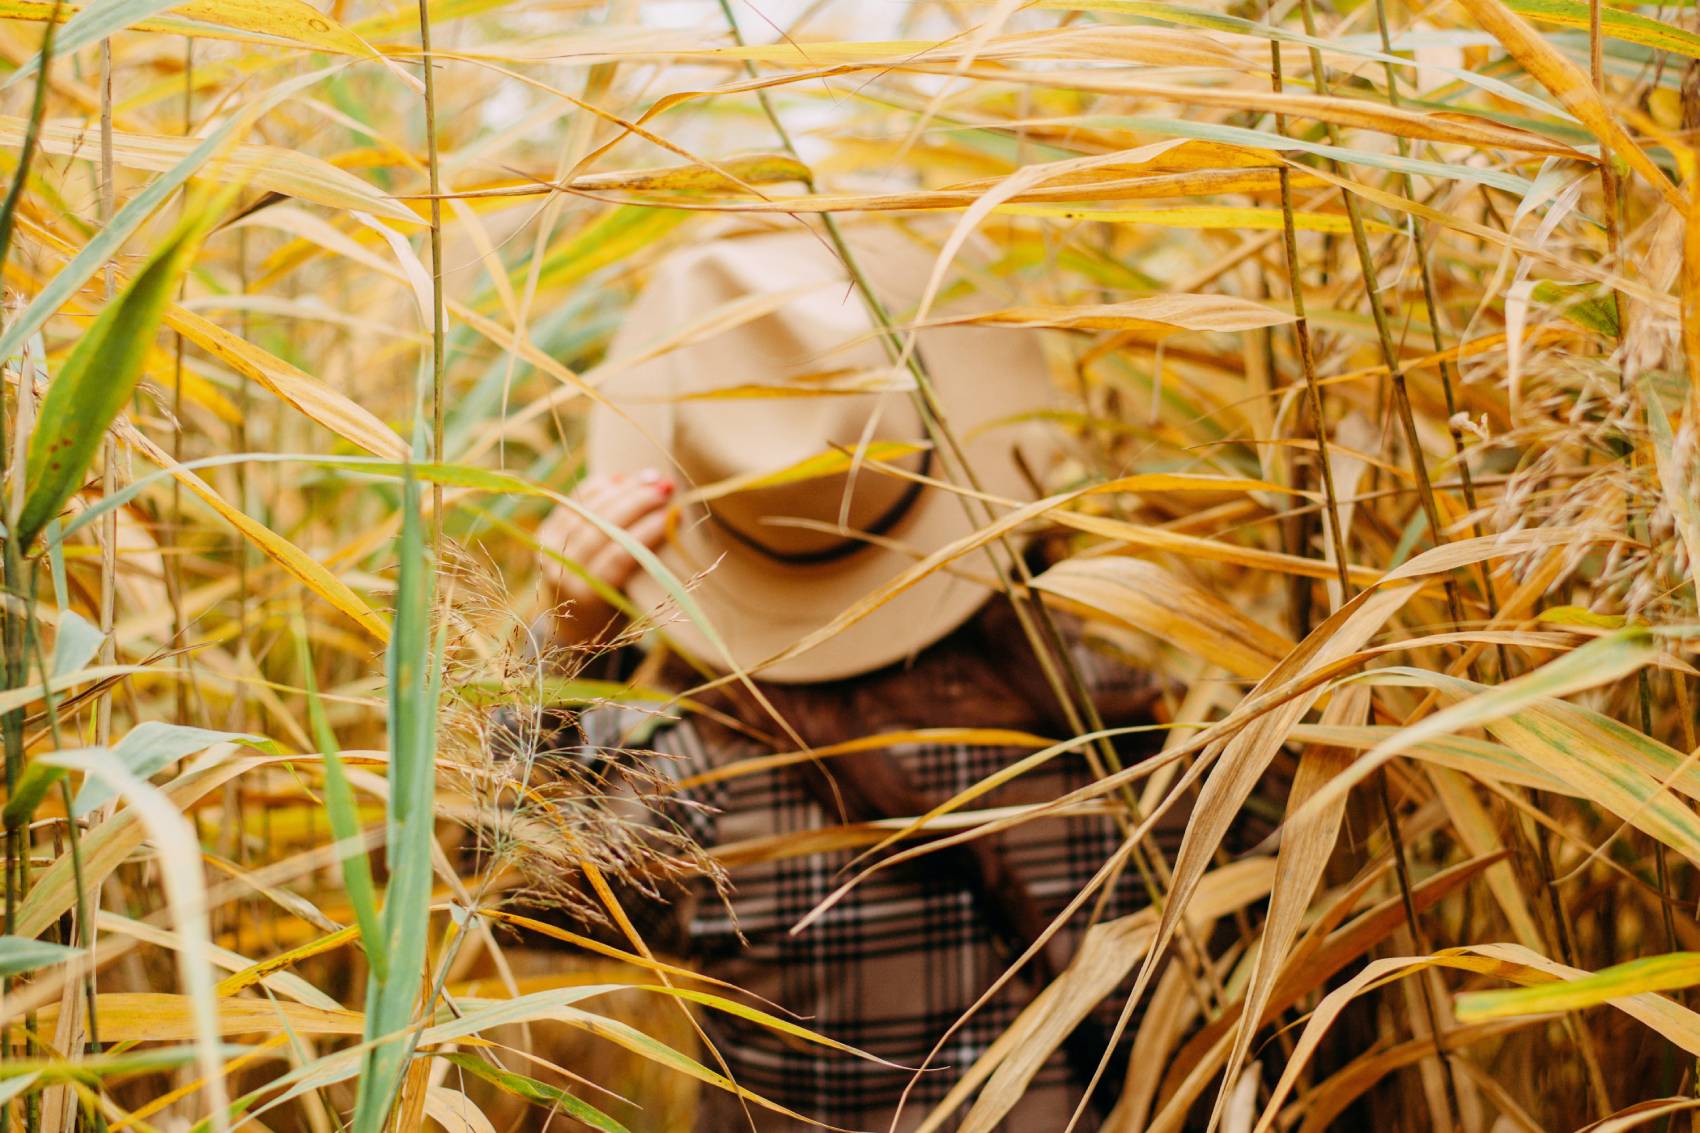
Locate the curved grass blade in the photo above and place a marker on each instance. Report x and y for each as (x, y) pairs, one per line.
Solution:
(538, 1093)
(1572, 87)
(1631, 27)
(1670, 972)
(273, 19)
(20, 954)
(98, 378)
(180, 869)
(270, 168)
(151, 745)
(1599, 662)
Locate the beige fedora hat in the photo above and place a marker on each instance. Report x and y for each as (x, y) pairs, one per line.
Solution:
(746, 356)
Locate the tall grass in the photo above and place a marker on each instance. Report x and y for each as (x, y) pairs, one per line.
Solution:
(1378, 329)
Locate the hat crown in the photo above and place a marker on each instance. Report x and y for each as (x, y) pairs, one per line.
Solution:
(758, 397)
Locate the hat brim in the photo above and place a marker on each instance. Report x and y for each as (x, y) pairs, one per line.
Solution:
(761, 607)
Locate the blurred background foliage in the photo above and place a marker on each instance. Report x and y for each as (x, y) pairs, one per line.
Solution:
(1374, 331)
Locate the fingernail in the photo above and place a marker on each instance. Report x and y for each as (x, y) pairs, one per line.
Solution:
(649, 476)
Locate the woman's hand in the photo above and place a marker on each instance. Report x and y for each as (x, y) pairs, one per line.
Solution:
(636, 503)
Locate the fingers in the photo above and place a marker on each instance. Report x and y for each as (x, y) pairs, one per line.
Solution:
(632, 500)
(593, 491)
(569, 533)
(633, 504)
(614, 564)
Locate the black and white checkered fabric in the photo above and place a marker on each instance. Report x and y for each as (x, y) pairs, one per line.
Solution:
(895, 964)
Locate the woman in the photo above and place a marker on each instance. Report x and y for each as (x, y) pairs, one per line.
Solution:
(743, 369)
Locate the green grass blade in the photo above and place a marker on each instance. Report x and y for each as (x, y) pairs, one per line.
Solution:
(344, 818)
(20, 954)
(390, 1001)
(97, 380)
(538, 1093)
(148, 747)
(1599, 662)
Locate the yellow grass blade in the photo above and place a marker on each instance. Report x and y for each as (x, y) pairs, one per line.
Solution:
(1146, 597)
(1571, 87)
(1161, 315)
(164, 1017)
(266, 168)
(1107, 954)
(1306, 845)
(1671, 972)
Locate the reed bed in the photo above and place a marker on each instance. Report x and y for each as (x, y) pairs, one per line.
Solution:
(1375, 329)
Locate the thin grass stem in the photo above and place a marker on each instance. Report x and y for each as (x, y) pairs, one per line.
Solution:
(438, 309)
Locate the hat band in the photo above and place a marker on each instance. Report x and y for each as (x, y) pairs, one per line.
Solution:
(884, 523)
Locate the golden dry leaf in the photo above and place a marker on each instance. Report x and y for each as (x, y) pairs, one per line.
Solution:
(1307, 843)
(267, 168)
(1168, 47)
(1189, 156)
(590, 944)
(1158, 316)
(1469, 755)
(1571, 87)
(1671, 972)
(287, 19)
(142, 1016)
(1132, 538)
(1445, 127)
(268, 20)
(1107, 954)
(1207, 182)
(313, 398)
(1198, 216)
(313, 574)
(1174, 609)
(1641, 1113)
(254, 973)
(729, 173)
